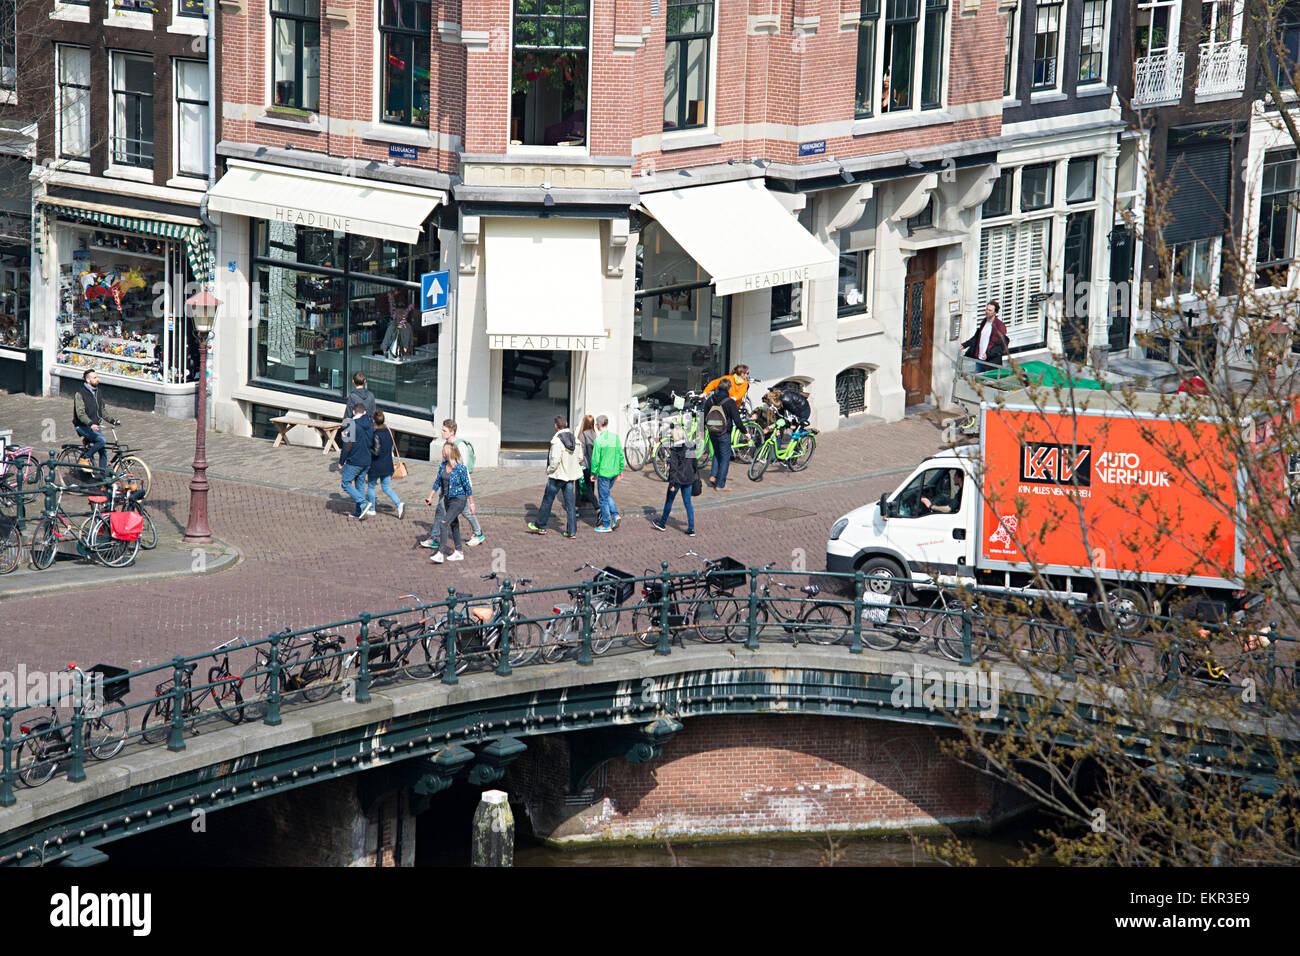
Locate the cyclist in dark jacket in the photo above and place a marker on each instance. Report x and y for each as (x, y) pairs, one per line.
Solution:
(88, 413)
(681, 477)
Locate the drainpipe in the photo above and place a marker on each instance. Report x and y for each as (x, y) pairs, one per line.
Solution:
(213, 234)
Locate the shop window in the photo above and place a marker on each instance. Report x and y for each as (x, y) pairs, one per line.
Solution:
(404, 30)
(868, 20)
(74, 102)
(689, 34)
(1081, 179)
(132, 113)
(8, 44)
(1009, 51)
(15, 271)
(313, 330)
(1092, 51)
(548, 102)
(853, 296)
(121, 305)
(1047, 42)
(295, 54)
(1036, 186)
(787, 306)
(999, 201)
(192, 118)
(1279, 194)
(851, 391)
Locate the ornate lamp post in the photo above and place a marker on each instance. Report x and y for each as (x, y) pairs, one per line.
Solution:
(202, 308)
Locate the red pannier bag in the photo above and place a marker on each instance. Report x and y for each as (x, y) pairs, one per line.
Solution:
(126, 525)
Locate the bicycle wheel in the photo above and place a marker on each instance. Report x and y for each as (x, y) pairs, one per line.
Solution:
(884, 631)
(557, 638)
(44, 544)
(69, 455)
(526, 639)
(108, 550)
(416, 662)
(765, 455)
(826, 623)
(604, 624)
(157, 721)
(714, 618)
(226, 692)
(645, 625)
(1044, 646)
(948, 633)
(662, 451)
(38, 754)
(440, 660)
(106, 735)
(803, 454)
(148, 534)
(636, 447)
(11, 550)
(134, 465)
(318, 677)
(749, 440)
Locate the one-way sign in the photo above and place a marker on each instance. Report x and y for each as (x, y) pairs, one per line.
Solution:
(433, 291)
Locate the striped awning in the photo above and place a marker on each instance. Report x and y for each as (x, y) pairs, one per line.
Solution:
(189, 231)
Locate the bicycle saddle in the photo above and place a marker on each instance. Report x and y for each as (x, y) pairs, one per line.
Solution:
(189, 668)
(481, 612)
(98, 499)
(811, 590)
(387, 623)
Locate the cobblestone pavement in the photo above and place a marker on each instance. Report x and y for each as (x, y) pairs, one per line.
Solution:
(306, 561)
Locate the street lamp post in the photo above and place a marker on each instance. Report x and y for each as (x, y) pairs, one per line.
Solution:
(202, 308)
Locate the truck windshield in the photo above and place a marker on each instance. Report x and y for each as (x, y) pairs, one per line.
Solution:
(935, 490)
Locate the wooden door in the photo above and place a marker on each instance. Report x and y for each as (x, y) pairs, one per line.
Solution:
(918, 325)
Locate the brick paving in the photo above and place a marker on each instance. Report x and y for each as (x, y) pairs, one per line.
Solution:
(305, 561)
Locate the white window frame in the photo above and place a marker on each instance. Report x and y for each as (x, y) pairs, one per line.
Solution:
(187, 24)
(176, 123)
(918, 57)
(711, 100)
(585, 148)
(1103, 73)
(1012, 75)
(381, 128)
(268, 59)
(1236, 9)
(1175, 16)
(1062, 16)
(867, 284)
(83, 160)
(1212, 265)
(127, 170)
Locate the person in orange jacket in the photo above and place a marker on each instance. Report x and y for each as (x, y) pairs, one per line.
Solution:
(737, 383)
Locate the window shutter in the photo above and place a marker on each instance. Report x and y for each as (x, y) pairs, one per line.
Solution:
(1200, 176)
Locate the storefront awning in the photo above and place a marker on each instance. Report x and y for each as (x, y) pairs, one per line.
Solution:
(323, 201)
(189, 231)
(741, 235)
(543, 284)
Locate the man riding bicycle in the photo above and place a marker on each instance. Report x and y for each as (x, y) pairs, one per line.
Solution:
(87, 415)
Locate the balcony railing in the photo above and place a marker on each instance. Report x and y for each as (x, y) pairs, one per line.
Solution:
(1222, 69)
(1158, 79)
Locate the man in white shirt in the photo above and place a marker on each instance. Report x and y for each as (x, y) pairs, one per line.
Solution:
(986, 347)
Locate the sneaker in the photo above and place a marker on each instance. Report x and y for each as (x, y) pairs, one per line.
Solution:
(363, 514)
(475, 541)
(428, 542)
(565, 534)
(456, 556)
(401, 509)
(535, 530)
(603, 529)
(371, 511)
(437, 557)
(690, 532)
(617, 519)
(657, 526)
(713, 481)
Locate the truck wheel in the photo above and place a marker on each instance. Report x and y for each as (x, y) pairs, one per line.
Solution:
(878, 571)
(1126, 611)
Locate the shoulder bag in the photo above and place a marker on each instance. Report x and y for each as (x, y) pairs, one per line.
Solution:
(399, 466)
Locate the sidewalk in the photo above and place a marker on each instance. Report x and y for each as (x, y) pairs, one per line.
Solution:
(866, 451)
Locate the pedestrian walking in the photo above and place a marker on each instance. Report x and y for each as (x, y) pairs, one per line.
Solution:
(381, 466)
(719, 420)
(452, 485)
(563, 469)
(606, 466)
(361, 396)
(985, 348)
(476, 531)
(681, 478)
(354, 459)
(587, 435)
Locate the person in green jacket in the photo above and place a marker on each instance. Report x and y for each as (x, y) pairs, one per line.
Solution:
(606, 466)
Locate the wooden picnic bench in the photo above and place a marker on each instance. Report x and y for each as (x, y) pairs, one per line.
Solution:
(328, 430)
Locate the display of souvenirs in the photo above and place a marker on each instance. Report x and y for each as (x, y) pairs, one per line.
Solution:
(138, 245)
(96, 287)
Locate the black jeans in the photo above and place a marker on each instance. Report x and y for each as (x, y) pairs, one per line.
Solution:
(451, 524)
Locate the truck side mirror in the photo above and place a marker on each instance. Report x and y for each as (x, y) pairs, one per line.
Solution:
(884, 505)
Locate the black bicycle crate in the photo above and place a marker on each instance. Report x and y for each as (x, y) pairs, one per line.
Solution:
(116, 685)
(729, 575)
(621, 589)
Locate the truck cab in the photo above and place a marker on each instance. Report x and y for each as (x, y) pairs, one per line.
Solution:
(924, 530)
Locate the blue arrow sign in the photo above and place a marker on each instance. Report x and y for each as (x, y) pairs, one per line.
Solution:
(433, 290)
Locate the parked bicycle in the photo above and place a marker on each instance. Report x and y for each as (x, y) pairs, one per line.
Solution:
(403, 647)
(313, 675)
(887, 621)
(11, 543)
(795, 454)
(696, 435)
(478, 633)
(224, 687)
(128, 495)
(121, 460)
(20, 472)
(98, 538)
(612, 589)
(46, 741)
(797, 609)
(700, 604)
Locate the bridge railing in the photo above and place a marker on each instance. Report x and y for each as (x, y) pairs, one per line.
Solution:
(720, 603)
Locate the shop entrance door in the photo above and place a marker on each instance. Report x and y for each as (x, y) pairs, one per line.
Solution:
(918, 325)
(535, 387)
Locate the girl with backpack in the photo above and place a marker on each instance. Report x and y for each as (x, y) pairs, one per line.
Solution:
(681, 477)
(723, 415)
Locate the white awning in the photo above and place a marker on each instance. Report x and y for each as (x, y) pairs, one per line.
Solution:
(741, 235)
(544, 284)
(323, 201)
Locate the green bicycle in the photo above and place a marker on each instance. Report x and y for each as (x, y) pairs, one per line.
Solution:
(795, 455)
(696, 435)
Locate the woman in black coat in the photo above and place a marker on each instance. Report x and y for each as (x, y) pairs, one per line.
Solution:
(381, 468)
(681, 477)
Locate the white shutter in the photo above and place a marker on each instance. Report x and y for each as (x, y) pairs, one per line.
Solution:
(1012, 269)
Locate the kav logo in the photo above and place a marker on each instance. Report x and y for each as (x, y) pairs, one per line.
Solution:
(1007, 525)
(1048, 463)
(76, 909)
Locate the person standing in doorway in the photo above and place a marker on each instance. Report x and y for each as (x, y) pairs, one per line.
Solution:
(985, 348)
(606, 466)
(361, 396)
(452, 484)
(476, 531)
(681, 478)
(381, 467)
(88, 415)
(355, 458)
(563, 469)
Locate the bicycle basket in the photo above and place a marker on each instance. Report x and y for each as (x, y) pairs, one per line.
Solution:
(116, 686)
(727, 576)
(126, 525)
(619, 590)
